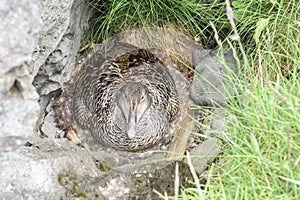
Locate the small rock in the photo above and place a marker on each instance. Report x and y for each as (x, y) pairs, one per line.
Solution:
(49, 126)
(215, 123)
(209, 87)
(201, 155)
(219, 119)
(17, 119)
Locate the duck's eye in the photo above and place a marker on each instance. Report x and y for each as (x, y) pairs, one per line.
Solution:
(124, 95)
(143, 96)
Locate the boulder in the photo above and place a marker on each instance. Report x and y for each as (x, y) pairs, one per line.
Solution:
(20, 21)
(211, 84)
(58, 169)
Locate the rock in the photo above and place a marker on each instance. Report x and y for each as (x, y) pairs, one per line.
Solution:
(210, 87)
(213, 129)
(215, 123)
(18, 98)
(58, 169)
(30, 173)
(57, 43)
(49, 125)
(202, 155)
(219, 119)
(20, 21)
(17, 117)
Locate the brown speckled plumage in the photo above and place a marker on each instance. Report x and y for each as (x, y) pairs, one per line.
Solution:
(101, 91)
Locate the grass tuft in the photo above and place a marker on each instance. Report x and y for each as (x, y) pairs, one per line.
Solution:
(260, 159)
(186, 15)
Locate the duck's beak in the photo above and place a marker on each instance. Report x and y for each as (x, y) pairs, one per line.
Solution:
(132, 121)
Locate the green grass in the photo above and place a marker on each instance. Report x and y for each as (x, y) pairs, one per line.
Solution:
(261, 159)
(114, 16)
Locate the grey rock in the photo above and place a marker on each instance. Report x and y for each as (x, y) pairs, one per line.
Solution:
(210, 87)
(49, 126)
(20, 21)
(219, 119)
(57, 43)
(17, 117)
(58, 169)
(203, 154)
(30, 173)
(215, 123)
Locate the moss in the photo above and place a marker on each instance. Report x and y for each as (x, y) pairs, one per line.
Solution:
(75, 187)
(60, 180)
(103, 167)
(81, 194)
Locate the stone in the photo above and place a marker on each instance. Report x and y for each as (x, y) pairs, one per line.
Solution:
(203, 154)
(210, 86)
(20, 21)
(17, 117)
(215, 123)
(30, 173)
(219, 119)
(57, 43)
(58, 169)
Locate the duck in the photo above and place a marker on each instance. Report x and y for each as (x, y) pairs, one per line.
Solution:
(124, 96)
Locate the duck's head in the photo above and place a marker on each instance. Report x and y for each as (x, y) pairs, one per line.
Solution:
(134, 100)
